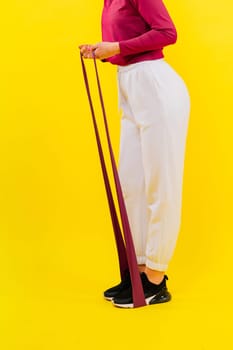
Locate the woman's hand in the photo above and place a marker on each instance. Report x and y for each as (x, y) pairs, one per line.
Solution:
(101, 50)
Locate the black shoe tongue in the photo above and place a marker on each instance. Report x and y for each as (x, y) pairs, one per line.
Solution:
(144, 277)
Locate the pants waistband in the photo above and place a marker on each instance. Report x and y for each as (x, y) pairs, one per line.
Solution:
(121, 69)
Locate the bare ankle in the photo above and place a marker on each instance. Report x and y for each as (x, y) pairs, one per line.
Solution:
(141, 268)
(154, 276)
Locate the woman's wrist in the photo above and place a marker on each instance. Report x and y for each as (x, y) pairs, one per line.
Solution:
(117, 48)
(102, 50)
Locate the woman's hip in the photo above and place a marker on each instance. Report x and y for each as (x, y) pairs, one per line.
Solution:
(155, 89)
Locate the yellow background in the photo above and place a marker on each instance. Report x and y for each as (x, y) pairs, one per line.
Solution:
(57, 251)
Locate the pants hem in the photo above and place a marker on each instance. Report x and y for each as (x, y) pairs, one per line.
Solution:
(142, 260)
(156, 266)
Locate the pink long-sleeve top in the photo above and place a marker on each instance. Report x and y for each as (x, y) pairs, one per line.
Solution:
(142, 28)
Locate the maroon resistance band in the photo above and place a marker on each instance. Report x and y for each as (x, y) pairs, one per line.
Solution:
(126, 251)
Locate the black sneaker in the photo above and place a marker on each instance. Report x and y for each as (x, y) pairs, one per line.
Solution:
(110, 293)
(154, 293)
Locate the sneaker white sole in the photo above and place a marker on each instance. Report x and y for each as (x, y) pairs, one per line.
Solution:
(108, 298)
(164, 299)
(131, 305)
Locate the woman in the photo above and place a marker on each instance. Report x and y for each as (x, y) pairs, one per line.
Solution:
(155, 104)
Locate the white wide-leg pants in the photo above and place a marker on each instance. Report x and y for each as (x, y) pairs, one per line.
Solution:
(156, 105)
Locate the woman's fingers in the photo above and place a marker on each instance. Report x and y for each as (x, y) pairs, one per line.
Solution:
(82, 48)
(87, 50)
(99, 50)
